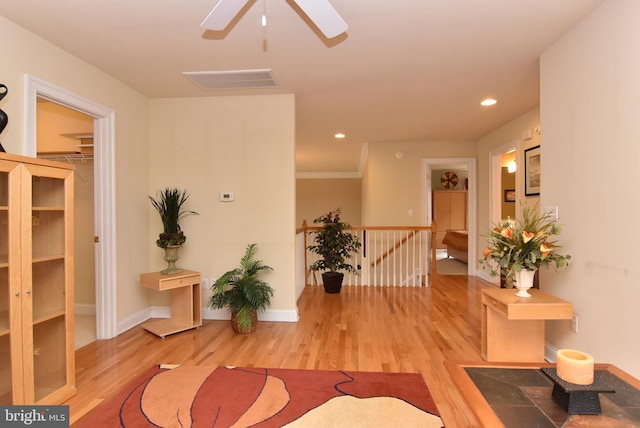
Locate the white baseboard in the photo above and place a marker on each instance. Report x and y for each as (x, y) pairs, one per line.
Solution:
(275, 315)
(482, 274)
(134, 320)
(84, 309)
(550, 353)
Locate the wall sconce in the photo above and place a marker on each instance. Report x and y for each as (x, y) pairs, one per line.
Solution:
(511, 168)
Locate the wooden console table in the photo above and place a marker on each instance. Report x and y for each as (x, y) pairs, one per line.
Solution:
(513, 327)
(186, 307)
(519, 395)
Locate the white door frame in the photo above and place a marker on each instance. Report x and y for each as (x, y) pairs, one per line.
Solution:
(104, 189)
(472, 198)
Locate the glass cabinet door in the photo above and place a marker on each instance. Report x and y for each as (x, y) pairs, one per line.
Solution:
(10, 335)
(52, 331)
(5, 336)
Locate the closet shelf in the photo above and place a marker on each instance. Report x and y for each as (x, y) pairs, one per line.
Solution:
(69, 157)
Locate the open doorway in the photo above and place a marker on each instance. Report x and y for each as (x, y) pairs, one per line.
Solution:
(66, 135)
(104, 189)
(429, 168)
(505, 192)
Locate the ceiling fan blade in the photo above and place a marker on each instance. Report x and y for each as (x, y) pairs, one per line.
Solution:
(222, 14)
(324, 16)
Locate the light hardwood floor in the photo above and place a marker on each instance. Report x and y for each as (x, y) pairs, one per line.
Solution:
(398, 329)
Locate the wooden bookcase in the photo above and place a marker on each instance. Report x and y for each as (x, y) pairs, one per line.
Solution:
(37, 359)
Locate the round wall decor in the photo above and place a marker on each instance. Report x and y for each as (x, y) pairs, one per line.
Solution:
(449, 180)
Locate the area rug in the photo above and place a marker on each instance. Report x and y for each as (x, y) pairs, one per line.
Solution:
(200, 396)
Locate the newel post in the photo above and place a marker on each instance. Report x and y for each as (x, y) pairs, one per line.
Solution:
(306, 265)
(434, 229)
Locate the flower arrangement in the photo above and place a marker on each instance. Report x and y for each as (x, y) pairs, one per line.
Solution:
(524, 245)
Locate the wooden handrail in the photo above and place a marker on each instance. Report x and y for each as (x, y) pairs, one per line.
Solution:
(411, 234)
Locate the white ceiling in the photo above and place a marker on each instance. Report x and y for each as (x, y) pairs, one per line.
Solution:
(406, 70)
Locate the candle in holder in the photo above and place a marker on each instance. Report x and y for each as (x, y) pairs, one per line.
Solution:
(574, 366)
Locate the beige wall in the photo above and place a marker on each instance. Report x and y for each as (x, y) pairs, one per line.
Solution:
(29, 54)
(589, 117)
(511, 132)
(317, 196)
(393, 183)
(243, 145)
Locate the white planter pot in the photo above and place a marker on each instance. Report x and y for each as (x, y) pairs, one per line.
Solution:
(524, 281)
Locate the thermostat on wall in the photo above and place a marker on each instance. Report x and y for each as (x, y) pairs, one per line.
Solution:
(226, 196)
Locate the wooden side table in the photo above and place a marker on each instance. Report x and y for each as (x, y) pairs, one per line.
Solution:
(186, 307)
(513, 327)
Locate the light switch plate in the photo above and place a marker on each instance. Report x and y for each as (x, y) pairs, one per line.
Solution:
(553, 210)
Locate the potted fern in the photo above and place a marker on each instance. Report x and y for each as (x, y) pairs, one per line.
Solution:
(168, 202)
(335, 246)
(242, 292)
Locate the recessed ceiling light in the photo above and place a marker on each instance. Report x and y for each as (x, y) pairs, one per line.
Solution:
(340, 135)
(488, 102)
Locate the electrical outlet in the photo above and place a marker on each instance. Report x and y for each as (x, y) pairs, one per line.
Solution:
(574, 324)
(204, 284)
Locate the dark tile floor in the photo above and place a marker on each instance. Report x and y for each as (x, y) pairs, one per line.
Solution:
(522, 398)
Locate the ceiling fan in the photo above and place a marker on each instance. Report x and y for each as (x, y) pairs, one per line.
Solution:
(320, 12)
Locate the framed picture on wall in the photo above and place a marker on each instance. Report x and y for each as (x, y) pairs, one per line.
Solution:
(510, 195)
(532, 171)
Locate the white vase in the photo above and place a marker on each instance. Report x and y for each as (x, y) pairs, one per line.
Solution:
(524, 281)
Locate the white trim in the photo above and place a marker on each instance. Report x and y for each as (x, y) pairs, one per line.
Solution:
(271, 315)
(104, 189)
(134, 320)
(325, 175)
(550, 352)
(472, 201)
(83, 309)
(482, 274)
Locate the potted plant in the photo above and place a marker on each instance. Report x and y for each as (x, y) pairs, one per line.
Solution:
(335, 246)
(242, 292)
(168, 202)
(521, 248)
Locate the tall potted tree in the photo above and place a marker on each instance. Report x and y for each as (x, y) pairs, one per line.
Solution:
(242, 292)
(335, 245)
(168, 202)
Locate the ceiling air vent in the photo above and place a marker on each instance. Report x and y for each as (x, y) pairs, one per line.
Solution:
(233, 79)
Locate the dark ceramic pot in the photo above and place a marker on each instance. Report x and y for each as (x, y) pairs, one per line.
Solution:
(332, 281)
